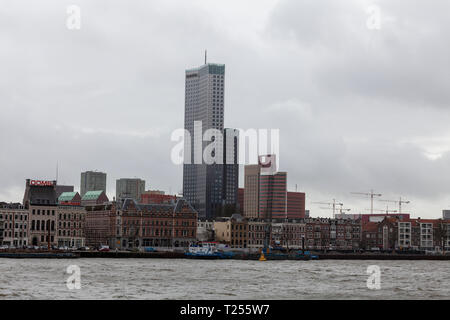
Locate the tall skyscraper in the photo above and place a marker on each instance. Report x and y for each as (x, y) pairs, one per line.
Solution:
(129, 189)
(207, 187)
(92, 181)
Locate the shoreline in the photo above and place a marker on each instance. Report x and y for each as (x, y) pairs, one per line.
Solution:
(181, 255)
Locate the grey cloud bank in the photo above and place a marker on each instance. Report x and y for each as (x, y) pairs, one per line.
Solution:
(357, 108)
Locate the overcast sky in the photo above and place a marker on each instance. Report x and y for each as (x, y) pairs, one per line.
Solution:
(358, 107)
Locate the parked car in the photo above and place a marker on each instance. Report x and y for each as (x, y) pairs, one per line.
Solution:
(104, 248)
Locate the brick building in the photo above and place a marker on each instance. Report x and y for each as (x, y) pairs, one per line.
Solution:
(295, 205)
(14, 225)
(395, 233)
(256, 233)
(100, 224)
(130, 225)
(332, 234)
(71, 219)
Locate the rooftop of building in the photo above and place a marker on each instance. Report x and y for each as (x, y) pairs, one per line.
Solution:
(168, 207)
(67, 196)
(215, 68)
(92, 195)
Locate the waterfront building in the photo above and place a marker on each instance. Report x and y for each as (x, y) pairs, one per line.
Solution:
(256, 233)
(232, 231)
(394, 233)
(332, 234)
(288, 234)
(129, 189)
(130, 225)
(41, 202)
(71, 218)
(100, 224)
(13, 225)
(92, 181)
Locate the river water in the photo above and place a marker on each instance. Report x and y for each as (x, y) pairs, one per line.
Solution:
(222, 279)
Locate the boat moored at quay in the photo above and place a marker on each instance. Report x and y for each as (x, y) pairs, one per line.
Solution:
(207, 250)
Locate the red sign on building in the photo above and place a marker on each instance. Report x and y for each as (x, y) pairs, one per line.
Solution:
(41, 183)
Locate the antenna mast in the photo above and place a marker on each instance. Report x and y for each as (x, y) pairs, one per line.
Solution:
(206, 55)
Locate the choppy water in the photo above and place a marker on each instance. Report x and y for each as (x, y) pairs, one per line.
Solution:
(229, 279)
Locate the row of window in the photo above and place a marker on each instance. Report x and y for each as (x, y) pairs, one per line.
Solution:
(44, 212)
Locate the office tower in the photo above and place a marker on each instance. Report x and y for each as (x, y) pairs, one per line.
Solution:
(273, 196)
(266, 195)
(129, 189)
(230, 180)
(204, 109)
(295, 205)
(92, 181)
(252, 173)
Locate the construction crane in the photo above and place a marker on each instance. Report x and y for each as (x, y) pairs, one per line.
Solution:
(332, 204)
(371, 194)
(341, 210)
(387, 211)
(400, 202)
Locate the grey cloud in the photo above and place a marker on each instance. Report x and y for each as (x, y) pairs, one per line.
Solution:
(357, 109)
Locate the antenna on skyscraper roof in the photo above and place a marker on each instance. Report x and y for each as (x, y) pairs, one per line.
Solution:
(206, 54)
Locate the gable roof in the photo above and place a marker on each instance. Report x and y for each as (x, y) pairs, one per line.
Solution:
(174, 207)
(92, 195)
(67, 196)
